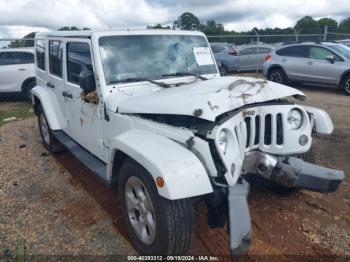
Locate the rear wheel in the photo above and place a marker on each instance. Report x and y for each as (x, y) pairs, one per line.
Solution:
(346, 84)
(277, 75)
(157, 226)
(26, 87)
(49, 141)
(223, 70)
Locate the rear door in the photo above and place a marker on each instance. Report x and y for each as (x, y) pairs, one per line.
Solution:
(247, 58)
(319, 69)
(294, 60)
(55, 75)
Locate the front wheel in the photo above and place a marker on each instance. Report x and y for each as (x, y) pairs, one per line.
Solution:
(49, 141)
(157, 226)
(277, 75)
(346, 85)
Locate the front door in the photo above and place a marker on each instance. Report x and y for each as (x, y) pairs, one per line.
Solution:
(319, 69)
(85, 119)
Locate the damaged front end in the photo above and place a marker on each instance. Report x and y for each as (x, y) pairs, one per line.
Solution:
(263, 140)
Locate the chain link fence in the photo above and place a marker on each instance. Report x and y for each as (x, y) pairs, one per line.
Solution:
(17, 74)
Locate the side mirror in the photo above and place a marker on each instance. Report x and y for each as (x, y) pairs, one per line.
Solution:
(87, 81)
(330, 58)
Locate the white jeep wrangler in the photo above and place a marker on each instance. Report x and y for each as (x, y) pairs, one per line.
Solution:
(148, 112)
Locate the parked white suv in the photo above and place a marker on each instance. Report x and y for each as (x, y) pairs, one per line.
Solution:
(17, 70)
(148, 111)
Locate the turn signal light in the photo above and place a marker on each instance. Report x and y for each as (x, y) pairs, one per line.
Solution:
(160, 181)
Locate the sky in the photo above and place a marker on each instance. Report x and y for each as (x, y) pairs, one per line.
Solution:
(19, 17)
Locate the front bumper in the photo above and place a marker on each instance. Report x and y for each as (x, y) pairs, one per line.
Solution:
(286, 171)
(292, 172)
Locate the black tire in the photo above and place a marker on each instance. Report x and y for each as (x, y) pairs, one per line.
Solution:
(173, 219)
(48, 140)
(223, 70)
(346, 84)
(26, 87)
(277, 75)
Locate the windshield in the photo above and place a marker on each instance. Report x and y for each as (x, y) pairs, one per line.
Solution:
(152, 56)
(341, 49)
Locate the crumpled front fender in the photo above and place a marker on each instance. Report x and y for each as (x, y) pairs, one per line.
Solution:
(183, 173)
(322, 122)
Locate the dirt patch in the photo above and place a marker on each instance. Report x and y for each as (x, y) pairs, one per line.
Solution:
(58, 207)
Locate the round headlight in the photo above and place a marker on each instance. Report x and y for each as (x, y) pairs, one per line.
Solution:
(222, 140)
(295, 119)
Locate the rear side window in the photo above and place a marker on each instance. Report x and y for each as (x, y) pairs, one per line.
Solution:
(55, 57)
(248, 51)
(40, 54)
(294, 51)
(264, 50)
(78, 60)
(217, 49)
(16, 58)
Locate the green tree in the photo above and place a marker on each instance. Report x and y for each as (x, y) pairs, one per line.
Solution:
(331, 23)
(344, 26)
(67, 28)
(187, 21)
(213, 28)
(307, 25)
(26, 41)
(158, 26)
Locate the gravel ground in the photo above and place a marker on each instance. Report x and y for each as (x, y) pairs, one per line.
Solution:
(57, 207)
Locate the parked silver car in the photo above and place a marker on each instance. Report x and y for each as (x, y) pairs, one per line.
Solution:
(226, 55)
(251, 57)
(314, 63)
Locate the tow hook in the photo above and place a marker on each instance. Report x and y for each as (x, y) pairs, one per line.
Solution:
(239, 218)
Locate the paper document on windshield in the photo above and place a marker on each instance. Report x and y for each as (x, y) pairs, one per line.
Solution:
(203, 56)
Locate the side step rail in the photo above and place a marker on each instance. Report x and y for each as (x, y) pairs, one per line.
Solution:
(98, 167)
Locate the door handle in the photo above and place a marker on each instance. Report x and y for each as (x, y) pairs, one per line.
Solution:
(66, 94)
(310, 63)
(48, 84)
(21, 69)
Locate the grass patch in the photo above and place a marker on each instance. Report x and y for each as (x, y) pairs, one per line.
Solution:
(18, 112)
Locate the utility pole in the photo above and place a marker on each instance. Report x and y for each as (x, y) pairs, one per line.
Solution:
(257, 51)
(296, 35)
(325, 32)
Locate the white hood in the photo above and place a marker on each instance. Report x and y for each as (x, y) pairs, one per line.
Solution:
(204, 99)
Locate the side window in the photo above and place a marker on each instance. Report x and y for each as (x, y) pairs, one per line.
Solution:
(319, 52)
(55, 57)
(294, 51)
(40, 54)
(248, 51)
(7, 58)
(24, 57)
(16, 58)
(78, 60)
(264, 50)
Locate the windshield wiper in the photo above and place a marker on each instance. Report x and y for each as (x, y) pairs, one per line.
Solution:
(187, 74)
(139, 79)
